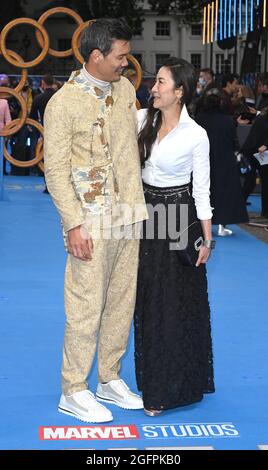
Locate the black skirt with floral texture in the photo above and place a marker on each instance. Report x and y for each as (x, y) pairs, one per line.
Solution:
(173, 347)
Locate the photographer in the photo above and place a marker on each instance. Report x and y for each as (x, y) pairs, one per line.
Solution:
(257, 141)
(244, 105)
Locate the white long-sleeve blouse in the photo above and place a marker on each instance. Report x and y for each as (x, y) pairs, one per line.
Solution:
(182, 152)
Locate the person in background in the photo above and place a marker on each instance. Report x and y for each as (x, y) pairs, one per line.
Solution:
(229, 85)
(5, 118)
(206, 78)
(40, 101)
(244, 104)
(262, 92)
(257, 141)
(20, 142)
(205, 81)
(57, 85)
(226, 191)
(38, 109)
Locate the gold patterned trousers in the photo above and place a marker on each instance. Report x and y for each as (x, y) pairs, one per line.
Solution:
(99, 303)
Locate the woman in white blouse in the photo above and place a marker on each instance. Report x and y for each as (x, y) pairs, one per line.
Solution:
(173, 348)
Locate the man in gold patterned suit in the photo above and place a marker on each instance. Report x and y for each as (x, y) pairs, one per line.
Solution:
(92, 172)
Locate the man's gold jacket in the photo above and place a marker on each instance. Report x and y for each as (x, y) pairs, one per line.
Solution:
(92, 165)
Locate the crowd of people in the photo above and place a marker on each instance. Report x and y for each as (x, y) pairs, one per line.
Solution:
(213, 98)
(23, 143)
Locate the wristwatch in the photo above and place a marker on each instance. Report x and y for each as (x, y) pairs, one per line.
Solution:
(209, 244)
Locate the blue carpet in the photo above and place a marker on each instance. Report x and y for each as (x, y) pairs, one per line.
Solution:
(32, 320)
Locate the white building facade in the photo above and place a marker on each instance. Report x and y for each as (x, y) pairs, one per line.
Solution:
(162, 36)
(166, 35)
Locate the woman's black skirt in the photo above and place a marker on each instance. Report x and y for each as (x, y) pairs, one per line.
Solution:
(173, 348)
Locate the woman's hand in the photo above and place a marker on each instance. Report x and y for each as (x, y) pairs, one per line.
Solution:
(204, 254)
(262, 148)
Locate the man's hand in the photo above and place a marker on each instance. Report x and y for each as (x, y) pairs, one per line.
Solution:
(239, 120)
(78, 245)
(252, 110)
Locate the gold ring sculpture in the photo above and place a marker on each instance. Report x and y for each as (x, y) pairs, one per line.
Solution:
(38, 151)
(13, 58)
(24, 72)
(15, 125)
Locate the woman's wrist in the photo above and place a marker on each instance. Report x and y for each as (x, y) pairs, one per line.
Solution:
(209, 243)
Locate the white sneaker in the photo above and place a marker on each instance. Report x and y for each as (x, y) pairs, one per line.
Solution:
(83, 405)
(118, 393)
(223, 231)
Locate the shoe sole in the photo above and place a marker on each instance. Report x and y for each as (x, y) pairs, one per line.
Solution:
(81, 418)
(113, 402)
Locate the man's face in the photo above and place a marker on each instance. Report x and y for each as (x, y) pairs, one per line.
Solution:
(203, 78)
(206, 77)
(111, 66)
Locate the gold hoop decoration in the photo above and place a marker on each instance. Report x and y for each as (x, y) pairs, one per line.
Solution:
(15, 125)
(24, 73)
(75, 40)
(21, 63)
(138, 105)
(42, 166)
(38, 151)
(138, 69)
(44, 17)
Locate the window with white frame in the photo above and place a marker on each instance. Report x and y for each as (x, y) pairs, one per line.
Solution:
(219, 63)
(196, 60)
(162, 28)
(225, 65)
(159, 60)
(258, 64)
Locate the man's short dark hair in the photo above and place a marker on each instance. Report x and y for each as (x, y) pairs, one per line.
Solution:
(101, 34)
(263, 79)
(207, 70)
(228, 78)
(48, 79)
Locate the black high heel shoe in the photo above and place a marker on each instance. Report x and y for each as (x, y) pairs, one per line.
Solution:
(152, 413)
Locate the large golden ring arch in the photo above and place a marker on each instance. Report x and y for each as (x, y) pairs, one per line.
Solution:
(24, 73)
(38, 151)
(44, 17)
(15, 125)
(42, 166)
(14, 58)
(138, 69)
(21, 63)
(76, 38)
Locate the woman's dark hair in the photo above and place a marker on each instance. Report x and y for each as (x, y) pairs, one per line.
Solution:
(183, 74)
(212, 99)
(101, 34)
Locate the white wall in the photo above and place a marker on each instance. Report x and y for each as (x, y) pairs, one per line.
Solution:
(148, 44)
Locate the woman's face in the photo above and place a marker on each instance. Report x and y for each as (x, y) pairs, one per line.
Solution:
(164, 93)
(239, 92)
